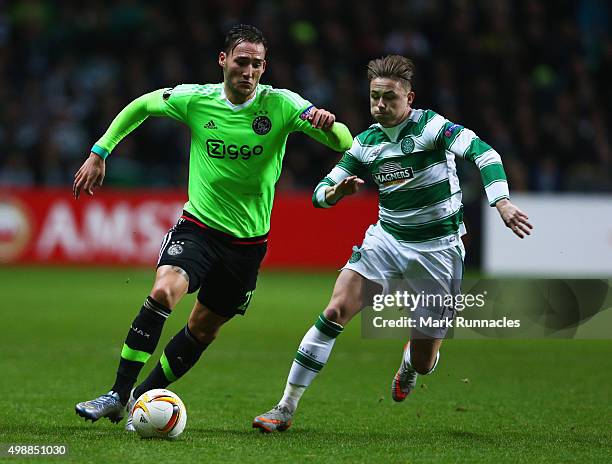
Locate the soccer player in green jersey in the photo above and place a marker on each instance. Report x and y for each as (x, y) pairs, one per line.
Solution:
(410, 154)
(239, 129)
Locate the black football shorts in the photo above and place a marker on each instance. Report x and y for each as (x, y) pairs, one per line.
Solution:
(223, 268)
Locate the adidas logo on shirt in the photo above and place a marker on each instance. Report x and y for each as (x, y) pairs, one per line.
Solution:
(210, 125)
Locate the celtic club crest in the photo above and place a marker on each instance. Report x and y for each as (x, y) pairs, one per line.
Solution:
(407, 145)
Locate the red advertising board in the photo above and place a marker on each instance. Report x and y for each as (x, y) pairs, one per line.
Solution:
(125, 227)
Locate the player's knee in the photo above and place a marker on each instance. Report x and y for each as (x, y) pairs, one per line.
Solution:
(164, 294)
(335, 313)
(170, 286)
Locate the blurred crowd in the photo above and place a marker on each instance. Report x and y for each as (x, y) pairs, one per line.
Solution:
(531, 77)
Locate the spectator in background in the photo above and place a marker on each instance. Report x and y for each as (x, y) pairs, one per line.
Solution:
(534, 75)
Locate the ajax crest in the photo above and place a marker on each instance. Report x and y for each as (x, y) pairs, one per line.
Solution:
(262, 125)
(175, 249)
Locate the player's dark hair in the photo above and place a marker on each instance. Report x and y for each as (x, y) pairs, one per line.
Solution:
(393, 67)
(243, 33)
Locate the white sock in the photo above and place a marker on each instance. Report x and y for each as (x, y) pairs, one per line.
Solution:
(311, 356)
(407, 359)
(291, 396)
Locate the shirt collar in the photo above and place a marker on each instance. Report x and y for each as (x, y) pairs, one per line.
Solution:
(394, 131)
(241, 105)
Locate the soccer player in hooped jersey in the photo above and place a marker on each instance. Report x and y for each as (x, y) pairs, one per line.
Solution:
(411, 156)
(239, 129)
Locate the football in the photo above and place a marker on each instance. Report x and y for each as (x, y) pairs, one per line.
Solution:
(159, 413)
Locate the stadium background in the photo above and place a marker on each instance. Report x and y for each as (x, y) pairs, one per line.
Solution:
(530, 77)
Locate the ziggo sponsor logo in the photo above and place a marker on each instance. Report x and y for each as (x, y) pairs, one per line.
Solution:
(218, 149)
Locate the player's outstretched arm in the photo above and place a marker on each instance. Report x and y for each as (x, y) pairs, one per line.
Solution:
(514, 218)
(464, 143)
(344, 179)
(128, 119)
(90, 175)
(329, 132)
(347, 186)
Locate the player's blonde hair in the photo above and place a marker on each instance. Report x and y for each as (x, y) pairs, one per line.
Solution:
(393, 67)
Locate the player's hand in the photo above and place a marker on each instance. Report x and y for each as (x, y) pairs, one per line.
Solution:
(321, 119)
(346, 187)
(514, 218)
(90, 176)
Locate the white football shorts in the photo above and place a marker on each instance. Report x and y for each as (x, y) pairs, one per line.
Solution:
(398, 267)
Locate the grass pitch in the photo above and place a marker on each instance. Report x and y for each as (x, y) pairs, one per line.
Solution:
(488, 401)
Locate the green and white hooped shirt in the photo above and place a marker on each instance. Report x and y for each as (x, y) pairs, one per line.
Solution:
(413, 165)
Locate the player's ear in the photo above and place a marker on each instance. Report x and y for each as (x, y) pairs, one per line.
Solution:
(263, 66)
(410, 97)
(222, 58)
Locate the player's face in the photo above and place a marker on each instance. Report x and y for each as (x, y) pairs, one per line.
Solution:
(242, 69)
(390, 101)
